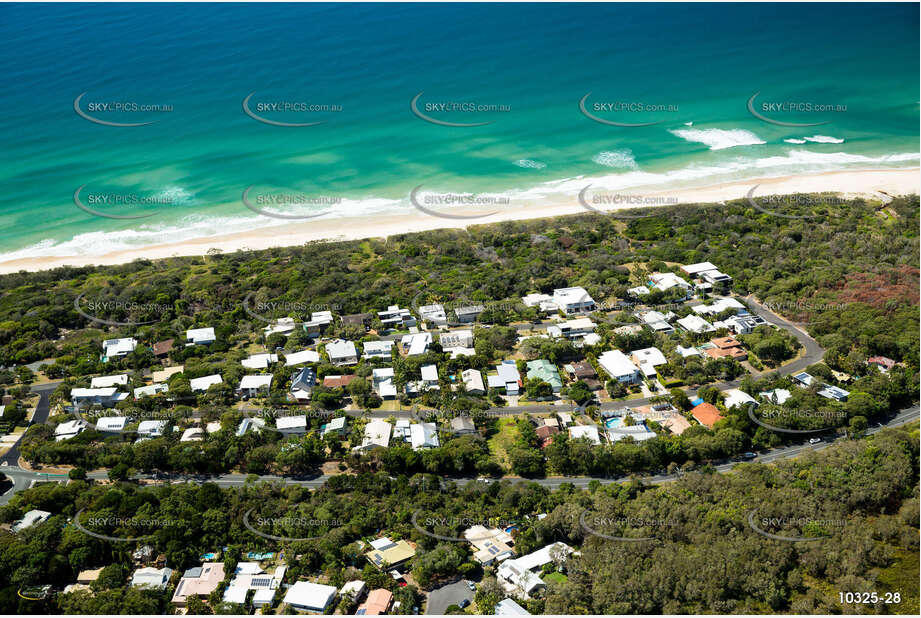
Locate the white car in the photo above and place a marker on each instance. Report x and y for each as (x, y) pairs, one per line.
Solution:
(814, 440)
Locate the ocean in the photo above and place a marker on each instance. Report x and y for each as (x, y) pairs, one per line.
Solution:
(684, 71)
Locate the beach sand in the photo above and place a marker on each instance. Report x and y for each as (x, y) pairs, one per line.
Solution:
(864, 183)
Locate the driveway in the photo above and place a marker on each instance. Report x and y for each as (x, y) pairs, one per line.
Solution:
(452, 594)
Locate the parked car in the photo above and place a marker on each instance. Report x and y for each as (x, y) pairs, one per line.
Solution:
(814, 440)
(750, 455)
(464, 603)
(471, 586)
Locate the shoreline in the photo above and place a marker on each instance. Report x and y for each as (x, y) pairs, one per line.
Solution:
(849, 184)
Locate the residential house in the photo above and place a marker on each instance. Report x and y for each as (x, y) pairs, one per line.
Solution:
(253, 385)
(423, 436)
(200, 385)
(638, 291)
(166, 373)
(462, 425)
(416, 343)
(468, 314)
(354, 589)
(319, 322)
(118, 348)
(571, 329)
(338, 381)
(669, 281)
(429, 377)
(744, 324)
(281, 326)
(735, 397)
(718, 306)
(198, 581)
(706, 414)
(883, 363)
(377, 603)
(161, 349)
(585, 431)
(546, 371)
(291, 425)
(193, 434)
(302, 383)
(387, 554)
(639, 432)
(507, 378)
(492, 545)
(151, 429)
(617, 365)
(777, 396)
(358, 319)
(396, 318)
(473, 382)
(687, 352)
(573, 300)
(200, 336)
(658, 322)
(378, 349)
(726, 347)
(259, 361)
(31, 518)
(545, 434)
(544, 302)
(69, 429)
(111, 423)
(88, 576)
(434, 313)
(106, 397)
(520, 574)
(709, 275)
(151, 578)
(695, 324)
(647, 360)
(456, 339)
(302, 357)
(106, 381)
(833, 392)
(337, 426)
(803, 379)
(377, 435)
(382, 382)
(256, 424)
(583, 370)
(508, 607)
(310, 597)
(342, 352)
(151, 390)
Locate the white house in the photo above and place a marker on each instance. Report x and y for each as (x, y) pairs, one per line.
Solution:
(668, 281)
(378, 349)
(259, 361)
(336, 425)
(299, 358)
(585, 431)
(106, 381)
(473, 381)
(204, 383)
(573, 300)
(735, 397)
(151, 429)
(382, 382)
(695, 324)
(282, 326)
(200, 336)
(718, 306)
(434, 313)
(617, 365)
(658, 321)
(377, 435)
(423, 435)
(572, 328)
(429, 377)
(106, 397)
(416, 343)
(777, 396)
(310, 597)
(291, 425)
(687, 352)
(69, 429)
(117, 348)
(151, 390)
(638, 432)
(193, 434)
(394, 317)
(256, 424)
(508, 607)
(251, 385)
(544, 302)
(342, 352)
(149, 577)
(507, 378)
(456, 339)
(111, 423)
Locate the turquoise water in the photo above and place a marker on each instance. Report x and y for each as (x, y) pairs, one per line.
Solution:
(614, 421)
(700, 62)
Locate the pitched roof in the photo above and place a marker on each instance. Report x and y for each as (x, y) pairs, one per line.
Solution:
(706, 414)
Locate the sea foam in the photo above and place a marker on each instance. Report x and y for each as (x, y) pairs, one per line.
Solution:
(719, 139)
(616, 158)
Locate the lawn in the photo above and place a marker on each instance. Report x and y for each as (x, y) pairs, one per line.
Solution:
(502, 440)
(556, 577)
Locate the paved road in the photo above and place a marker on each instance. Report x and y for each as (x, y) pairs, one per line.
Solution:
(24, 478)
(42, 410)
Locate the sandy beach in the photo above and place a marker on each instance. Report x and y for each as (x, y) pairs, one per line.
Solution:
(868, 183)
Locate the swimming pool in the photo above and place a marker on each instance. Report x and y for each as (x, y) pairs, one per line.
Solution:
(614, 421)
